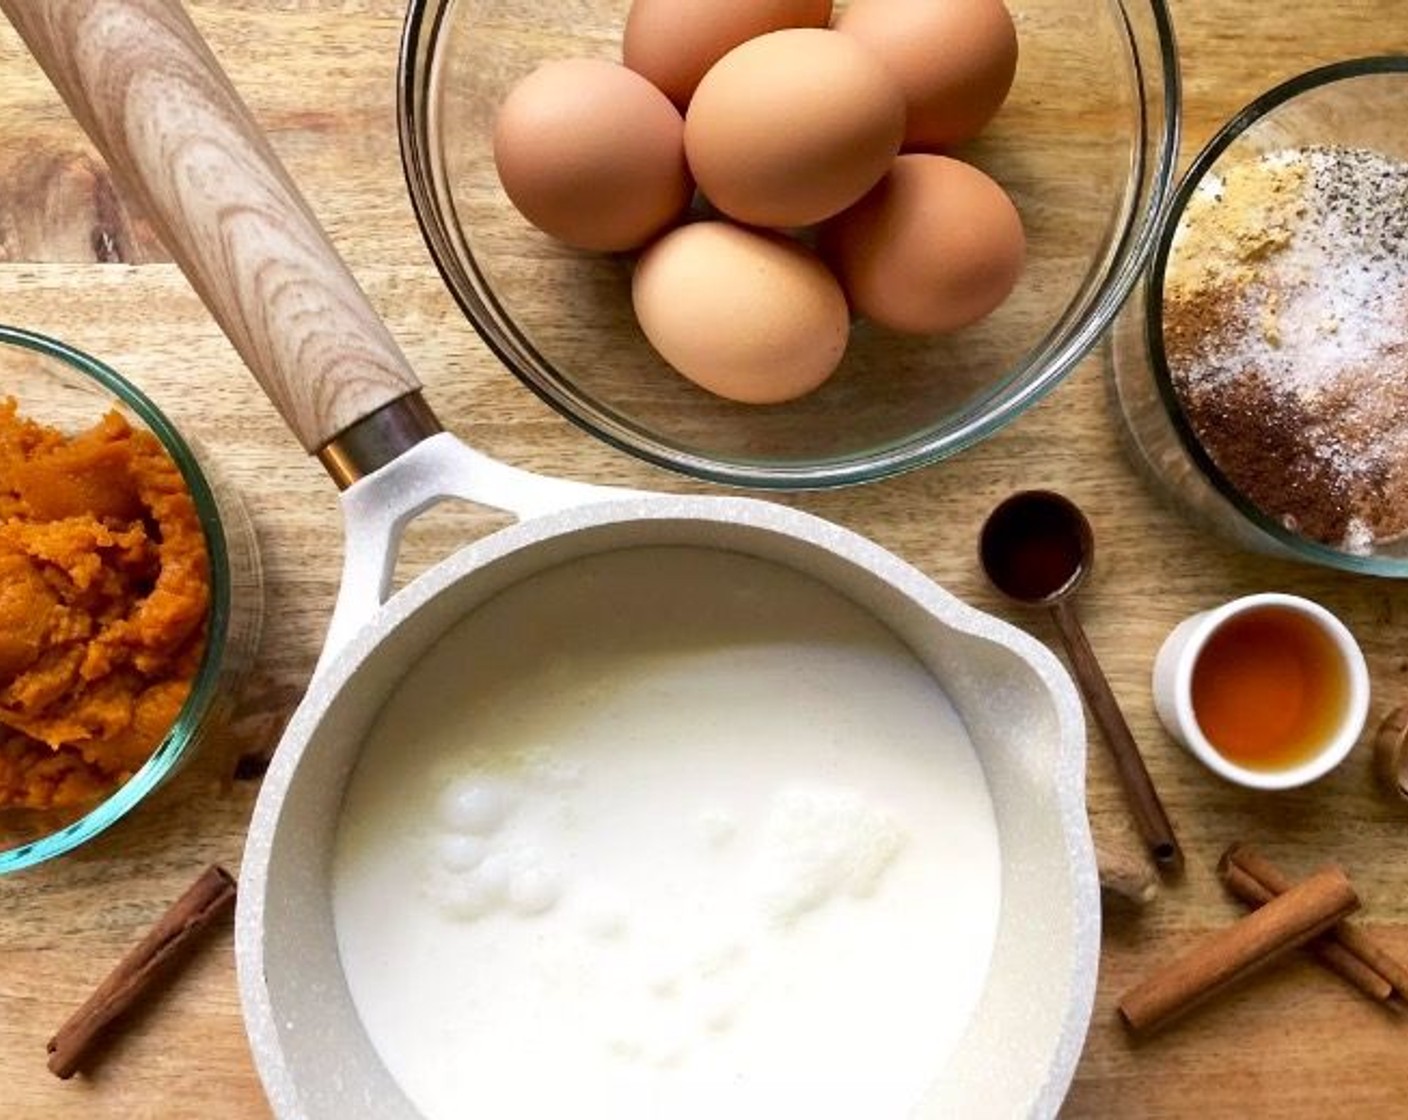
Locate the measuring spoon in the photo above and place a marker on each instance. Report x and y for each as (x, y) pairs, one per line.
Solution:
(1036, 548)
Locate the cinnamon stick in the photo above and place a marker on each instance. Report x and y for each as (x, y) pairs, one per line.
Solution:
(1288, 920)
(1326, 950)
(1244, 863)
(207, 899)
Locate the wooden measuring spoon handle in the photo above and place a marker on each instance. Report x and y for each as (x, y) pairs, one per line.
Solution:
(1149, 815)
(146, 88)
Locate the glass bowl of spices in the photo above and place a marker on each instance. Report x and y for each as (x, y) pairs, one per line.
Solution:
(1262, 367)
(130, 598)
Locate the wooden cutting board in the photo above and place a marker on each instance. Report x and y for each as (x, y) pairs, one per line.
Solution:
(74, 263)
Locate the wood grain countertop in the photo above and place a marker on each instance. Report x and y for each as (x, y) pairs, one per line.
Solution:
(1292, 1042)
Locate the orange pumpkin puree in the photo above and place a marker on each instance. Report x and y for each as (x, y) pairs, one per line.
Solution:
(104, 595)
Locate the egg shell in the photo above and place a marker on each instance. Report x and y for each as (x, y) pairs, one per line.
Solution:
(792, 127)
(746, 314)
(674, 42)
(592, 154)
(954, 59)
(935, 246)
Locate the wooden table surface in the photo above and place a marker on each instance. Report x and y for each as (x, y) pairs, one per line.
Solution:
(74, 264)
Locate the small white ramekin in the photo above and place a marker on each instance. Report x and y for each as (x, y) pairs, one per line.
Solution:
(1173, 691)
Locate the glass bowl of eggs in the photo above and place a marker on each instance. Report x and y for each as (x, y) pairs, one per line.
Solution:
(788, 244)
(130, 598)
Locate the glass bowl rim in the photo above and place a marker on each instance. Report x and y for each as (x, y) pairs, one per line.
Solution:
(1244, 119)
(178, 740)
(1126, 251)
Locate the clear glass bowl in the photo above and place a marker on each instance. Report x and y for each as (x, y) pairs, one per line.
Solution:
(1358, 104)
(64, 388)
(1085, 145)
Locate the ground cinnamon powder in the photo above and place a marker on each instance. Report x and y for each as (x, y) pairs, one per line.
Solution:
(104, 597)
(1261, 437)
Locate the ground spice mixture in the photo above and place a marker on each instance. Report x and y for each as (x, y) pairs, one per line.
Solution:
(104, 596)
(1286, 333)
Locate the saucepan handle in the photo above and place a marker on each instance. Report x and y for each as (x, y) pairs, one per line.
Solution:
(142, 82)
(144, 85)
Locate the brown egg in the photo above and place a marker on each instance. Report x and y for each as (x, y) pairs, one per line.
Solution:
(792, 127)
(748, 315)
(673, 42)
(935, 246)
(954, 59)
(592, 154)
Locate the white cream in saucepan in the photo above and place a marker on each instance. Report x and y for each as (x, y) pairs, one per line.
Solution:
(667, 833)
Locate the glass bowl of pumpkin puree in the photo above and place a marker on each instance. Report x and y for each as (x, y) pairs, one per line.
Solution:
(128, 598)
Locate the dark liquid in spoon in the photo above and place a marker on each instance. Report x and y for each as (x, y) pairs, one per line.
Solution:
(1034, 546)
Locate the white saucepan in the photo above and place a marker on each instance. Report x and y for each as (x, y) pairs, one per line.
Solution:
(139, 78)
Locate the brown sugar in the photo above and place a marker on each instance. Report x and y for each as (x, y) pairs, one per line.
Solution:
(104, 597)
(1285, 328)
